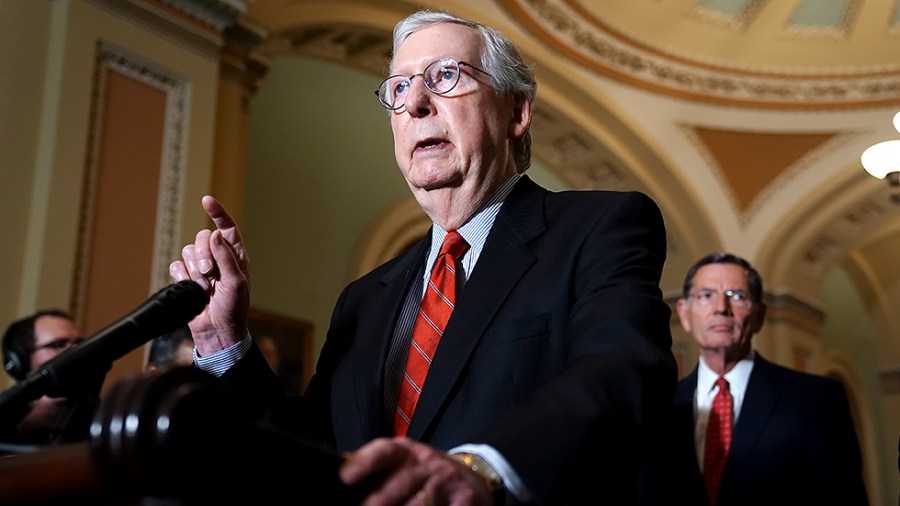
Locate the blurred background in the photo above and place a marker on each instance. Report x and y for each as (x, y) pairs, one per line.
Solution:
(744, 119)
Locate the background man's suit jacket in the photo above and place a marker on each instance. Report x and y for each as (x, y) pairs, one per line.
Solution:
(558, 353)
(794, 443)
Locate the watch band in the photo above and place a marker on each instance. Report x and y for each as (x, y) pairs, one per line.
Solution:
(492, 480)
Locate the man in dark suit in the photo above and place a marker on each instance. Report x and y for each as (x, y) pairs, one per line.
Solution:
(556, 363)
(787, 436)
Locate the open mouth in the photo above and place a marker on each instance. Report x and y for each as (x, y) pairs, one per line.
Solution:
(429, 143)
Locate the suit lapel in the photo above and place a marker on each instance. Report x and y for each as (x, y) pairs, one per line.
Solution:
(759, 403)
(368, 360)
(503, 261)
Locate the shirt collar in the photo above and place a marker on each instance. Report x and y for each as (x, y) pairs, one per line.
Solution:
(475, 230)
(737, 377)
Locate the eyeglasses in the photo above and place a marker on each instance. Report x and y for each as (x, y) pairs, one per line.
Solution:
(59, 345)
(440, 77)
(737, 298)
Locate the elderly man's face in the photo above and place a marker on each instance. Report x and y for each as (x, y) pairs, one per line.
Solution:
(456, 140)
(712, 318)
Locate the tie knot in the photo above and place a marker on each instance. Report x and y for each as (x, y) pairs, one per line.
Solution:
(454, 244)
(722, 383)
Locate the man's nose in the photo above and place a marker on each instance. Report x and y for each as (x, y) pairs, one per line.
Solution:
(419, 98)
(722, 303)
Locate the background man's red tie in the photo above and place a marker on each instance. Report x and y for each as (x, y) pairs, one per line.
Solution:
(437, 304)
(718, 439)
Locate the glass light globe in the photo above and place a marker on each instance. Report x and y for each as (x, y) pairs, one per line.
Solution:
(882, 158)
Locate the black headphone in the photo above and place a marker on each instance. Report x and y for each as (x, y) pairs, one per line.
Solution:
(16, 355)
(18, 342)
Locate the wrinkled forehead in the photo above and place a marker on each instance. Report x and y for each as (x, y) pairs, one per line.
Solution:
(429, 44)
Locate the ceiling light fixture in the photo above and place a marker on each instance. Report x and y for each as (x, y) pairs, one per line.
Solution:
(882, 160)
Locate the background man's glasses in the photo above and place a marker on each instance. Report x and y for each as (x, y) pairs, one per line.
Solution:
(440, 77)
(737, 298)
(59, 345)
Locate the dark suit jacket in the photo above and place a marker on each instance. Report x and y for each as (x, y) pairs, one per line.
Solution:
(558, 353)
(794, 443)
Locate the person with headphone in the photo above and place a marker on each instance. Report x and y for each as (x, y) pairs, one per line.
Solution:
(28, 343)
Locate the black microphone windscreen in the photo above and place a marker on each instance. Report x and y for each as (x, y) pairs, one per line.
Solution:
(80, 370)
(165, 311)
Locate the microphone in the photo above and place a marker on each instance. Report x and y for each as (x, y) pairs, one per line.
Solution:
(78, 369)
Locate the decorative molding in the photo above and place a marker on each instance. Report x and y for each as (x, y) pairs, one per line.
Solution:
(829, 245)
(241, 60)
(568, 147)
(854, 222)
(197, 23)
(615, 55)
(113, 59)
(218, 14)
(840, 31)
(736, 23)
(601, 175)
(821, 253)
(784, 307)
(358, 46)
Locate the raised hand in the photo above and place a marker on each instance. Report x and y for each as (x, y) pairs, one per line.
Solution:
(218, 261)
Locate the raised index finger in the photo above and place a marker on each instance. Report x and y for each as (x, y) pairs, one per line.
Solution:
(223, 221)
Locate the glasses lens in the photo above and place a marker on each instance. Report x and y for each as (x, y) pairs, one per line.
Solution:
(442, 75)
(392, 91)
(60, 344)
(737, 298)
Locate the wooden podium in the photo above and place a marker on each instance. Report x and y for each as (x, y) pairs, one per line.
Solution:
(173, 435)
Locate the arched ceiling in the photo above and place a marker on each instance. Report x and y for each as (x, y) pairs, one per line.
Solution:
(806, 53)
(743, 118)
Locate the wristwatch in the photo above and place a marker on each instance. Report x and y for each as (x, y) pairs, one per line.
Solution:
(487, 473)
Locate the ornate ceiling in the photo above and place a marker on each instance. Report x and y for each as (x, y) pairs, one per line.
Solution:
(811, 53)
(743, 118)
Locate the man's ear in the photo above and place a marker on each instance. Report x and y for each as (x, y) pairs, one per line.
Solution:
(681, 308)
(521, 118)
(759, 317)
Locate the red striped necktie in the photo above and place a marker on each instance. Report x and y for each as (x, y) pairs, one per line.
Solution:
(434, 312)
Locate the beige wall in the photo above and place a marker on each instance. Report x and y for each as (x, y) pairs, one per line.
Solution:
(52, 152)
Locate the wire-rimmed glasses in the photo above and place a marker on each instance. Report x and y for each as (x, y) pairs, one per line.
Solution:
(440, 77)
(59, 345)
(737, 298)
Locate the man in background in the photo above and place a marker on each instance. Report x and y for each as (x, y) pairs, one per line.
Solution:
(29, 343)
(172, 349)
(747, 431)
